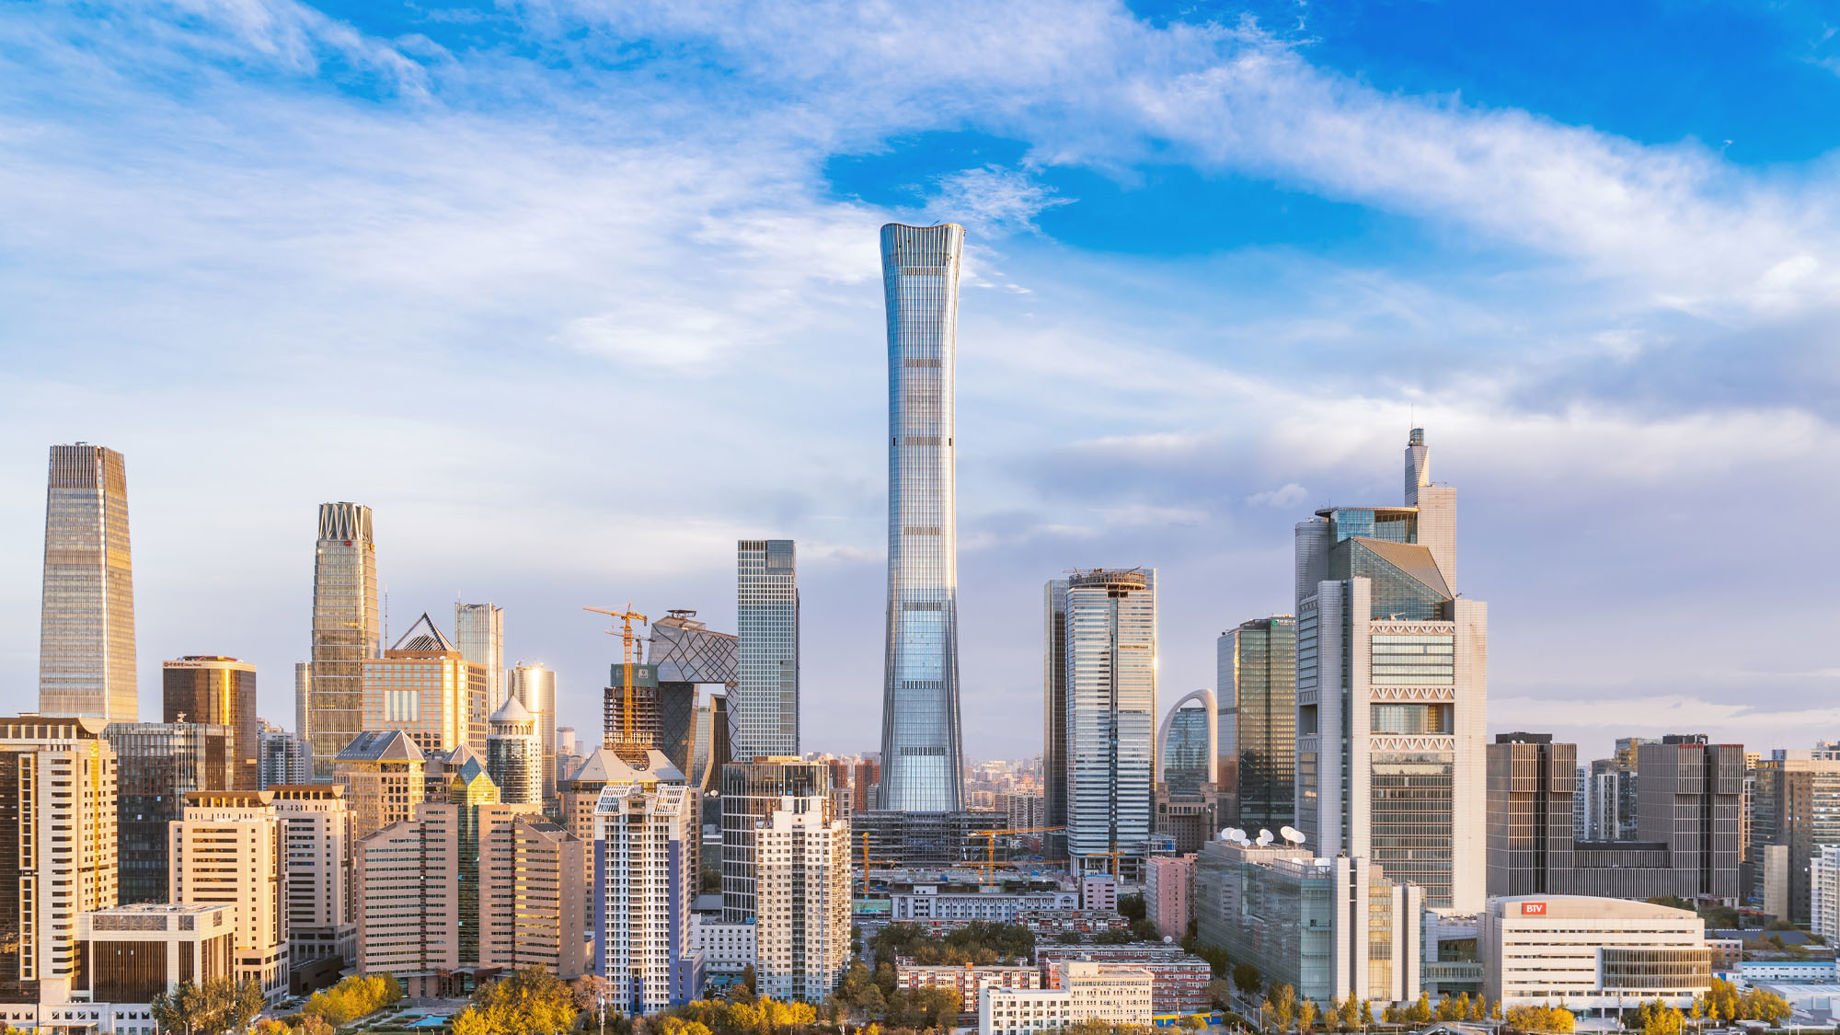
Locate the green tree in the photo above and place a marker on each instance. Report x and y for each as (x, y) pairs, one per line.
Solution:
(1247, 979)
(215, 1007)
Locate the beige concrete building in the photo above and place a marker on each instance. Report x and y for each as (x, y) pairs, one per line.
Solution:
(532, 898)
(226, 848)
(1093, 991)
(134, 953)
(426, 687)
(408, 879)
(57, 849)
(1592, 954)
(802, 895)
(1169, 884)
(317, 852)
(382, 772)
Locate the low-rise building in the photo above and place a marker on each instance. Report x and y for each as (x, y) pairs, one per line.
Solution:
(727, 949)
(1091, 991)
(1592, 954)
(965, 903)
(1180, 977)
(1168, 894)
(133, 953)
(968, 980)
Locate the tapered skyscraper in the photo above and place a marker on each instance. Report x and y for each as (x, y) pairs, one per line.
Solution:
(921, 762)
(345, 630)
(86, 631)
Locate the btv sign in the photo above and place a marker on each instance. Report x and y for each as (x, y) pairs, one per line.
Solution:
(1533, 909)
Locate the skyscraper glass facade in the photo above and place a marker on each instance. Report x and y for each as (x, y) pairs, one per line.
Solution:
(1187, 740)
(345, 630)
(765, 707)
(1258, 674)
(86, 630)
(479, 632)
(219, 691)
(922, 761)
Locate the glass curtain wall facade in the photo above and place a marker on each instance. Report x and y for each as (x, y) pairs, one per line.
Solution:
(479, 632)
(345, 631)
(86, 620)
(218, 691)
(1186, 747)
(1258, 671)
(535, 688)
(765, 709)
(922, 761)
(1110, 697)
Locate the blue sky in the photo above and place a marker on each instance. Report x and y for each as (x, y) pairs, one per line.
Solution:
(575, 293)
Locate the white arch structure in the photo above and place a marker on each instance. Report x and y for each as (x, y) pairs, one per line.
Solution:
(1211, 705)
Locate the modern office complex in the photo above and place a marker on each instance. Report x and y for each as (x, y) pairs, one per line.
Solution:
(802, 895)
(1103, 622)
(764, 706)
(283, 758)
(317, 855)
(57, 811)
(751, 793)
(408, 877)
(1594, 955)
(218, 691)
(479, 632)
(86, 630)
(1797, 810)
(382, 772)
(684, 655)
(427, 688)
(532, 894)
(645, 874)
(226, 848)
(346, 631)
(514, 754)
(922, 760)
(1257, 665)
(1688, 797)
(156, 765)
(535, 688)
(1187, 796)
(1392, 691)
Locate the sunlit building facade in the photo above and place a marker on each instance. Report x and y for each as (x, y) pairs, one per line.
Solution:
(922, 760)
(346, 631)
(514, 754)
(219, 691)
(479, 632)
(425, 686)
(764, 706)
(86, 618)
(1258, 723)
(226, 848)
(535, 688)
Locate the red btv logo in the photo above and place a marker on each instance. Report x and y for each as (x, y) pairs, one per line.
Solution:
(1533, 909)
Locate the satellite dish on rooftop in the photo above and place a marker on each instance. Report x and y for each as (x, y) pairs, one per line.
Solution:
(1265, 837)
(1292, 835)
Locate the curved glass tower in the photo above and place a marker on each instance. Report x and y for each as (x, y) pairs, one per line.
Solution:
(921, 761)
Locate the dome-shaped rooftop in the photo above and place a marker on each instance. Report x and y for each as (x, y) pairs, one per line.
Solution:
(512, 710)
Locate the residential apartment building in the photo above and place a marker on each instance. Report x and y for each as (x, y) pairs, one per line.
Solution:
(802, 895)
(1090, 991)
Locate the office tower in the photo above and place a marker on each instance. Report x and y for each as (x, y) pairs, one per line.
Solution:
(532, 893)
(765, 708)
(479, 632)
(86, 623)
(802, 887)
(1531, 781)
(317, 855)
(1258, 721)
(217, 691)
(284, 759)
(514, 754)
(471, 789)
(345, 631)
(57, 818)
(442, 767)
(156, 765)
(1612, 806)
(303, 704)
(1581, 804)
(425, 687)
(922, 760)
(684, 655)
(645, 851)
(1392, 692)
(408, 877)
(751, 791)
(226, 848)
(1187, 795)
(1689, 794)
(134, 953)
(1104, 621)
(569, 754)
(535, 688)
(382, 773)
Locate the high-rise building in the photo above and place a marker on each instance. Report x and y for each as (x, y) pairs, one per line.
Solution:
(535, 688)
(532, 893)
(285, 759)
(645, 852)
(218, 691)
(382, 772)
(751, 791)
(408, 877)
(1611, 808)
(57, 815)
(1169, 889)
(802, 888)
(1688, 796)
(922, 757)
(1187, 795)
(427, 688)
(472, 790)
(226, 848)
(765, 707)
(1531, 781)
(1392, 692)
(514, 754)
(684, 655)
(86, 620)
(156, 765)
(346, 631)
(317, 855)
(1258, 722)
(479, 632)
(1105, 622)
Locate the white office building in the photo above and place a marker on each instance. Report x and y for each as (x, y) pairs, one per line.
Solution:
(1591, 954)
(226, 848)
(1091, 991)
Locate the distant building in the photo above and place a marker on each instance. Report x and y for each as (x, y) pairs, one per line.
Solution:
(226, 848)
(1187, 797)
(479, 632)
(284, 759)
(218, 691)
(1824, 893)
(382, 773)
(751, 793)
(1090, 991)
(929, 839)
(535, 688)
(318, 855)
(1591, 954)
(514, 754)
(764, 706)
(156, 765)
(1531, 781)
(963, 903)
(1169, 894)
(802, 895)
(968, 980)
(684, 654)
(346, 631)
(86, 621)
(1178, 978)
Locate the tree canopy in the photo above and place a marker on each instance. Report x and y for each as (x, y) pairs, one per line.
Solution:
(216, 1007)
(352, 998)
(532, 1001)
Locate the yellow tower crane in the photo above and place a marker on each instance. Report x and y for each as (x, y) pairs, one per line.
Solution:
(626, 619)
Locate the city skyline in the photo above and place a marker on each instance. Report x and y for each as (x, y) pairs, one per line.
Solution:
(1170, 347)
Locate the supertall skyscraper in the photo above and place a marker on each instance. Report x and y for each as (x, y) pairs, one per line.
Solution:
(1392, 692)
(86, 621)
(345, 630)
(922, 762)
(764, 709)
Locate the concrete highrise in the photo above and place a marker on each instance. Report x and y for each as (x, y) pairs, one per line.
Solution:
(226, 848)
(922, 757)
(802, 887)
(532, 895)
(1392, 692)
(57, 818)
(408, 877)
(1104, 622)
(284, 759)
(514, 754)
(218, 691)
(645, 867)
(1258, 723)
(764, 707)
(86, 616)
(382, 772)
(346, 631)
(479, 632)
(425, 686)
(535, 688)
(1688, 796)
(1531, 781)
(317, 855)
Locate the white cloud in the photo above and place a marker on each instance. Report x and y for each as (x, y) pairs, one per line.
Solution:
(1289, 496)
(992, 200)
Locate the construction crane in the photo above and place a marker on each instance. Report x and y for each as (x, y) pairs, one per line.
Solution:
(627, 642)
(867, 863)
(990, 845)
